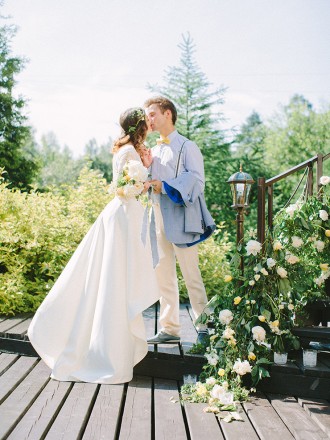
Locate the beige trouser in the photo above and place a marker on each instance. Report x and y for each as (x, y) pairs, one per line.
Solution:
(168, 282)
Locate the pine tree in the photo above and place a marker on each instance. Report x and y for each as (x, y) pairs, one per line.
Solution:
(199, 118)
(14, 133)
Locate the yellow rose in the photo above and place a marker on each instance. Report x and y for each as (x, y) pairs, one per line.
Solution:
(262, 318)
(275, 323)
(120, 191)
(237, 300)
(127, 178)
(327, 232)
(227, 278)
(251, 356)
(324, 266)
(221, 372)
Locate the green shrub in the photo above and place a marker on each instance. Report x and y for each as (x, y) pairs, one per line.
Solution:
(39, 233)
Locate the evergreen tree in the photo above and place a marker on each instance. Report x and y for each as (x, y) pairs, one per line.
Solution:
(14, 133)
(199, 119)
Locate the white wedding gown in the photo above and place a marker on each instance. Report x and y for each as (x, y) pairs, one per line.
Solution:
(89, 327)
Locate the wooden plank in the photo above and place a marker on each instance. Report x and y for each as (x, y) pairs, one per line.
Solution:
(22, 397)
(6, 360)
(169, 422)
(9, 323)
(73, 416)
(319, 411)
(20, 330)
(136, 421)
(294, 416)
(103, 421)
(38, 419)
(239, 429)
(15, 374)
(265, 420)
(202, 425)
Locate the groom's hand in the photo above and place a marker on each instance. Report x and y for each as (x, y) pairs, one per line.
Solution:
(156, 186)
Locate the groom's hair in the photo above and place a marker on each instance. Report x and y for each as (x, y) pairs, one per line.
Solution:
(164, 104)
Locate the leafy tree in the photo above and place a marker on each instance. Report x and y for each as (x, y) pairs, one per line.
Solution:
(57, 165)
(198, 119)
(19, 169)
(100, 157)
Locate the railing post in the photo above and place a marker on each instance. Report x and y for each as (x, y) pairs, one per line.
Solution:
(261, 209)
(319, 174)
(310, 180)
(270, 206)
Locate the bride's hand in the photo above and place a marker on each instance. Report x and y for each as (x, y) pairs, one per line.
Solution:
(146, 156)
(146, 186)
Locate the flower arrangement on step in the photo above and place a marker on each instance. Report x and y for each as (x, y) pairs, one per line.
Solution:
(254, 315)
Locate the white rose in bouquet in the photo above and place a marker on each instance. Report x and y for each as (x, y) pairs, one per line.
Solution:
(137, 171)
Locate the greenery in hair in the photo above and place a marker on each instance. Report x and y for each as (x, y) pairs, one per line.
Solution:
(140, 115)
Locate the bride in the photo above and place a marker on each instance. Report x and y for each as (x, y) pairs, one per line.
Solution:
(89, 327)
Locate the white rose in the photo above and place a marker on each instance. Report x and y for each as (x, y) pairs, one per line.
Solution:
(323, 215)
(297, 241)
(225, 316)
(210, 381)
(130, 191)
(137, 171)
(257, 277)
(217, 391)
(270, 262)
(264, 271)
(259, 333)
(226, 398)
(291, 209)
(324, 180)
(253, 247)
(282, 272)
(242, 368)
(291, 259)
(319, 245)
(228, 333)
(252, 283)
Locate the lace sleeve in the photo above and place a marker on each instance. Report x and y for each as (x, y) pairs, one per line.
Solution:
(124, 154)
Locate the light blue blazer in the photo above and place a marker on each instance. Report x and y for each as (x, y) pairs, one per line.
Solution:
(187, 220)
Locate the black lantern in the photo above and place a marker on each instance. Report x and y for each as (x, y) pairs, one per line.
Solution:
(240, 185)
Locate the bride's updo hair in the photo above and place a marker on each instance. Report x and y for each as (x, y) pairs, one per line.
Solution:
(134, 128)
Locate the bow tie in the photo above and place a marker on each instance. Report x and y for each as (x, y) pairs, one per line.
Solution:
(162, 140)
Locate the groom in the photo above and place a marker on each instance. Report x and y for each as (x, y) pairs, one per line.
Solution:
(182, 219)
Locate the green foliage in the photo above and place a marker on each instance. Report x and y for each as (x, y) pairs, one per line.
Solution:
(20, 170)
(212, 263)
(39, 232)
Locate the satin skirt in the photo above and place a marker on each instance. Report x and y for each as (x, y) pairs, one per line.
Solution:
(90, 328)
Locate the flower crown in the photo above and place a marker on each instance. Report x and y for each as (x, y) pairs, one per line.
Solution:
(139, 113)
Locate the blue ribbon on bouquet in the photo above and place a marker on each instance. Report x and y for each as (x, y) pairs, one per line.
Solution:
(152, 233)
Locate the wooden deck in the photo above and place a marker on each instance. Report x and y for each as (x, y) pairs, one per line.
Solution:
(32, 406)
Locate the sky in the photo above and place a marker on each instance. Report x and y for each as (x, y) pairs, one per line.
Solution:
(90, 60)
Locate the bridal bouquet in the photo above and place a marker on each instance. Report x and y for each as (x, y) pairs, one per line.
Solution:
(130, 181)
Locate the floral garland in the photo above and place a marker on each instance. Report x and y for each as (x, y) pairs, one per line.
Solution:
(255, 314)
